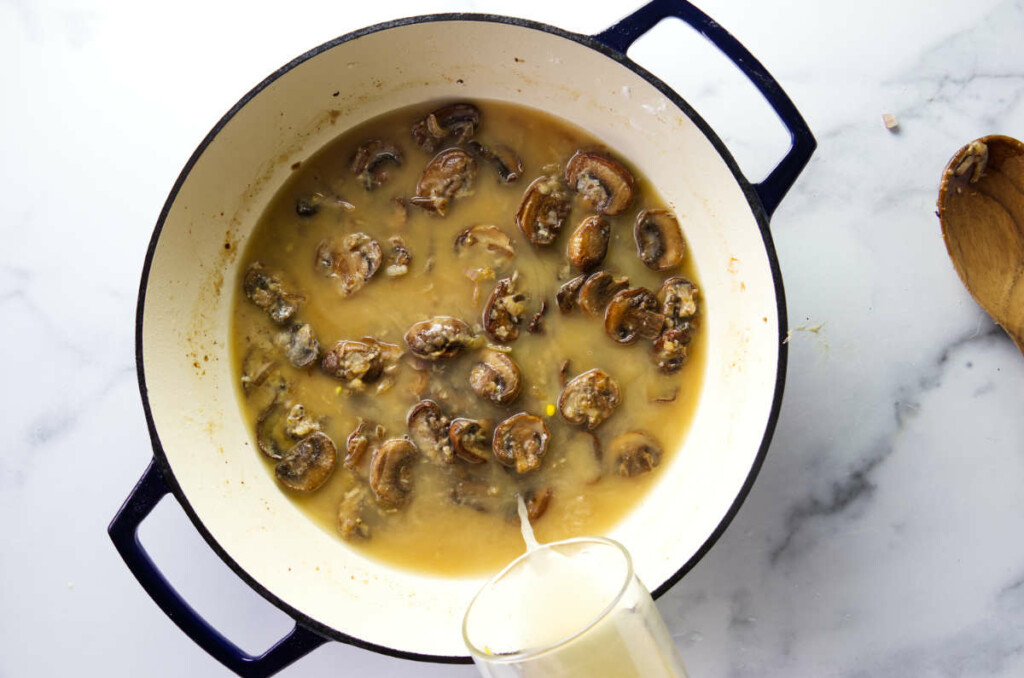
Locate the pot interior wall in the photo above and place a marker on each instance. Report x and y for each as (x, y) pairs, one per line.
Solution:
(193, 278)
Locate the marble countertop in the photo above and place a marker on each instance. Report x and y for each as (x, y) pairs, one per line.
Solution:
(883, 537)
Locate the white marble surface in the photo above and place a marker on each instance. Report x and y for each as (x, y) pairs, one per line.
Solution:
(883, 537)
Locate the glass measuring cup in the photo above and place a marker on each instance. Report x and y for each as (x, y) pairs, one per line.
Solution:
(573, 608)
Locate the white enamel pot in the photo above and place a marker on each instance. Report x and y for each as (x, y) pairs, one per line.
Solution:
(203, 453)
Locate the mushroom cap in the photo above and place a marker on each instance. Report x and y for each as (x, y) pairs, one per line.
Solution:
(568, 295)
(635, 452)
(521, 441)
(458, 120)
(428, 428)
(449, 175)
(492, 238)
(496, 377)
(504, 310)
(632, 314)
(351, 260)
(505, 160)
(470, 439)
(307, 465)
(354, 361)
(300, 345)
(391, 472)
(659, 239)
(598, 290)
(671, 350)
(602, 181)
(678, 300)
(589, 398)
(369, 163)
(588, 244)
(267, 290)
(544, 209)
(439, 338)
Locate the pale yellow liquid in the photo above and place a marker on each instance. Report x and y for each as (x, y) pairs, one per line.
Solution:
(432, 534)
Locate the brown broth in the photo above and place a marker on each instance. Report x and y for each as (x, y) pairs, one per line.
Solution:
(431, 534)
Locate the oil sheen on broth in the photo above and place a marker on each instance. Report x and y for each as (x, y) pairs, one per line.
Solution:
(401, 279)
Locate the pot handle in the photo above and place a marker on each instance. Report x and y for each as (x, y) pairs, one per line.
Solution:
(123, 531)
(775, 186)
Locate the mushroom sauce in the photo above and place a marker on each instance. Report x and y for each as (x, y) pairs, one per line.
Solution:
(455, 303)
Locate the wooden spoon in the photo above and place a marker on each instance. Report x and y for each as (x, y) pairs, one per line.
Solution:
(981, 208)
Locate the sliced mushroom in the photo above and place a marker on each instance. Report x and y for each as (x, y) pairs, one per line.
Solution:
(257, 366)
(371, 160)
(300, 345)
(536, 325)
(269, 293)
(537, 500)
(603, 182)
(298, 424)
(599, 289)
(544, 209)
(659, 239)
(632, 314)
(308, 465)
(589, 243)
(448, 176)
(671, 349)
(505, 160)
(678, 300)
(634, 453)
(458, 121)
(351, 261)
(391, 472)
(470, 439)
(568, 295)
(521, 441)
(352, 510)
(358, 363)
(504, 310)
(269, 430)
(492, 238)
(496, 377)
(400, 259)
(428, 428)
(589, 398)
(360, 441)
(440, 337)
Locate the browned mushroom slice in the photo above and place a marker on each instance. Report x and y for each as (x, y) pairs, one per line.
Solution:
(308, 465)
(568, 295)
(352, 510)
(589, 398)
(678, 299)
(439, 338)
(360, 441)
(458, 121)
(352, 261)
(537, 500)
(356, 363)
(490, 237)
(268, 292)
(505, 160)
(470, 439)
(504, 310)
(496, 377)
(544, 209)
(659, 239)
(448, 176)
(671, 349)
(521, 441)
(257, 366)
(599, 289)
(400, 259)
(603, 182)
(536, 324)
(428, 428)
(371, 160)
(589, 243)
(300, 345)
(632, 314)
(634, 453)
(298, 424)
(391, 472)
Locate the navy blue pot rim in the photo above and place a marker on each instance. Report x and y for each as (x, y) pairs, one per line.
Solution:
(587, 41)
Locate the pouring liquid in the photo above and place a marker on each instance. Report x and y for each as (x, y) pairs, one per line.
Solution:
(570, 610)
